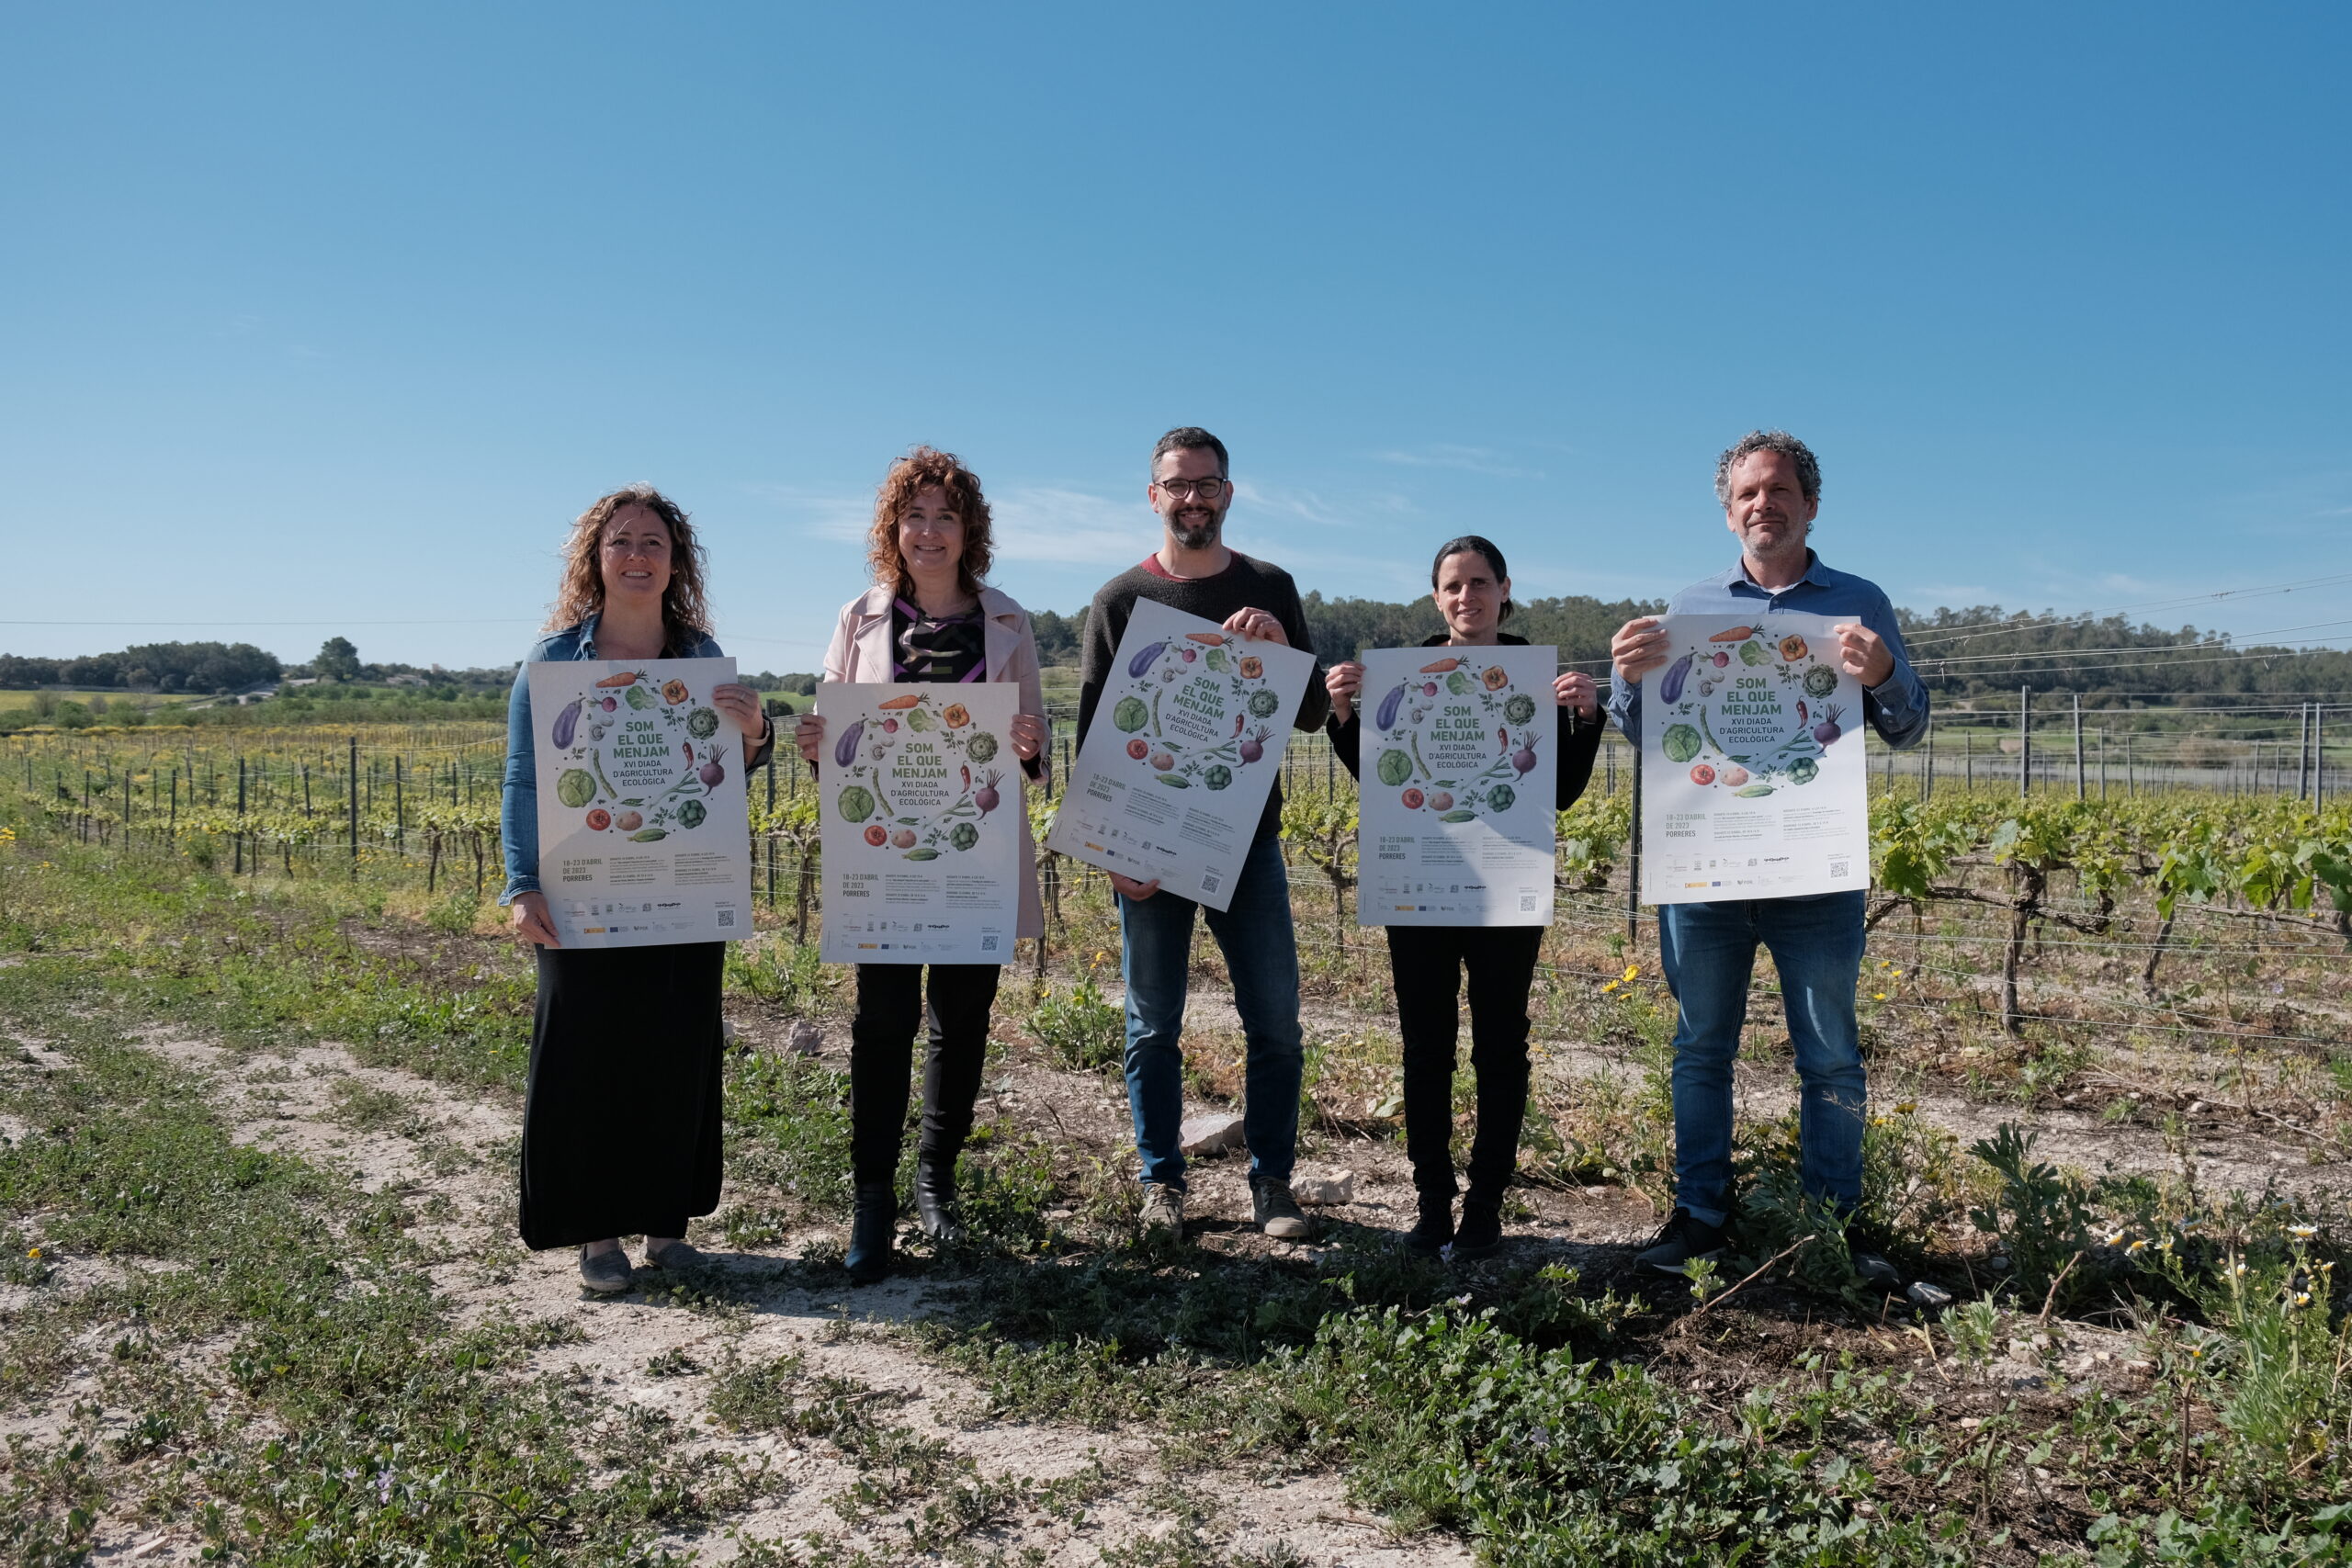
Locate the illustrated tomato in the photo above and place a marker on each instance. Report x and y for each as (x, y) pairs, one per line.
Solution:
(1702, 774)
(877, 835)
(1412, 798)
(1138, 750)
(599, 819)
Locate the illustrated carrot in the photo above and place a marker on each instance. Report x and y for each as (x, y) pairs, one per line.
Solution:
(626, 678)
(906, 702)
(1442, 667)
(1737, 634)
(1215, 639)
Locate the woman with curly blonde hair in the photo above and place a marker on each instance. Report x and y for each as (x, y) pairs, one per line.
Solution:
(621, 1113)
(930, 617)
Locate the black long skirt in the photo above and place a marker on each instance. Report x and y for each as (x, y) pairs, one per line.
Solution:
(621, 1132)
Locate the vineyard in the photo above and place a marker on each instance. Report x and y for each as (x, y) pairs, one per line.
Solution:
(264, 1000)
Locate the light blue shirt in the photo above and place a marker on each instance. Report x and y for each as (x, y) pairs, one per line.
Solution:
(1896, 708)
(518, 810)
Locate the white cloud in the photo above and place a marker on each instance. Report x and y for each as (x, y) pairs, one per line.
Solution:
(1468, 459)
(819, 513)
(1071, 528)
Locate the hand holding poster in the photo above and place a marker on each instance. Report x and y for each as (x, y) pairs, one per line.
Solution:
(1457, 787)
(1752, 783)
(920, 800)
(643, 837)
(1185, 748)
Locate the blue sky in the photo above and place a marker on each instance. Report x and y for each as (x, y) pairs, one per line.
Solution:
(337, 315)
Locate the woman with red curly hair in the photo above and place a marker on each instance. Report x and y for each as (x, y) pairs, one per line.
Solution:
(929, 616)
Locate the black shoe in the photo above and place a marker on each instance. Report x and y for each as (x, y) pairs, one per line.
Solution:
(1481, 1232)
(1434, 1229)
(935, 1201)
(1866, 1250)
(1682, 1239)
(870, 1228)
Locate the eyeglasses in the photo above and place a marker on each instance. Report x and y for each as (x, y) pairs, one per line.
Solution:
(1184, 490)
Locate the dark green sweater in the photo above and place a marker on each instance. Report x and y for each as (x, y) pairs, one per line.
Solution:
(1244, 584)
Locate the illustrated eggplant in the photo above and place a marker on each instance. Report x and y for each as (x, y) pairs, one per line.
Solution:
(1670, 688)
(1144, 659)
(845, 750)
(1389, 705)
(565, 723)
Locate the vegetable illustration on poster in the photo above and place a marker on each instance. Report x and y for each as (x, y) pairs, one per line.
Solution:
(1185, 748)
(643, 836)
(1457, 825)
(1752, 768)
(921, 795)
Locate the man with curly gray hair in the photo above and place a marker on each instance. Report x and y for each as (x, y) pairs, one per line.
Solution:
(1769, 484)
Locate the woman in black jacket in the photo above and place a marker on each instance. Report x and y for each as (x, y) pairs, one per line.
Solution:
(1471, 587)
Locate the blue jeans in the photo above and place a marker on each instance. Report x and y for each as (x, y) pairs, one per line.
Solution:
(1261, 952)
(1710, 952)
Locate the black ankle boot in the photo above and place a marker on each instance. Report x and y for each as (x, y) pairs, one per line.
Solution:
(870, 1228)
(935, 1200)
(1435, 1227)
(1482, 1226)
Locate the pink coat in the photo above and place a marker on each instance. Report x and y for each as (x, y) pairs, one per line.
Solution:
(861, 653)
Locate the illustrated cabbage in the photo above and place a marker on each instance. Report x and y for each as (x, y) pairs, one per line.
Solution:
(1501, 797)
(702, 724)
(575, 787)
(1458, 683)
(1520, 709)
(1395, 768)
(1805, 770)
(1752, 654)
(1263, 703)
(981, 747)
(1821, 681)
(964, 836)
(1680, 742)
(1131, 714)
(692, 813)
(1217, 775)
(639, 698)
(855, 803)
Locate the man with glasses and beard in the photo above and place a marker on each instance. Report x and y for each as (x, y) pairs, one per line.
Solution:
(1193, 571)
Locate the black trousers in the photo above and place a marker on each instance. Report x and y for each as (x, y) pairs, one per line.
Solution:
(621, 1123)
(1427, 963)
(891, 1005)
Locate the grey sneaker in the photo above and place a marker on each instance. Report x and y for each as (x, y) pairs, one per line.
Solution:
(675, 1254)
(1682, 1239)
(1163, 1208)
(1277, 1213)
(607, 1273)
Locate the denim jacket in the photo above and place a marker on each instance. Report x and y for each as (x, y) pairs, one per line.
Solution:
(518, 813)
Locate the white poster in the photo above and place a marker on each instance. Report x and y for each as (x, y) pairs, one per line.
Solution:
(1182, 753)
(1752, 770)
(921, 797)
(1459, 768)
(643, 838)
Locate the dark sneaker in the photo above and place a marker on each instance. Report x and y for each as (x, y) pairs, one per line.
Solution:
(672, 1254)
(1434, 1230)
(1683, 1239)
(1277, 1213)
(607, 1273)
(1481, 1235)
(1866, 1249)
(1163, 1209)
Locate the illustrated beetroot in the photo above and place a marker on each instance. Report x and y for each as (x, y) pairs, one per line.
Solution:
(1429, 688)
(1826, 731)
(1721, 661)
(610, 703)
(710, 773)
(1524, 758)
(890, 727)
(1254, 745)
(986, 797)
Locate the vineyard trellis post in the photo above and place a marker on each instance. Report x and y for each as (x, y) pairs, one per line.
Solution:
(2319, 757)
(240, 834)
(2025, 740)
(2303, 756)
(351, 781)
(2079, 790)
(1927, 787)
(1634, 861)
(399, 811)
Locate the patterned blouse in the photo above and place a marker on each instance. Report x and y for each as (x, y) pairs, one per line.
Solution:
(948, 649)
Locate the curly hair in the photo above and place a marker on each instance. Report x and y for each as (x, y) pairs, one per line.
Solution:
(685, 612)
(1781, 440)
(920, 469)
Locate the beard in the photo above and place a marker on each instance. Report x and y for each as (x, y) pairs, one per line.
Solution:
(1199, 533)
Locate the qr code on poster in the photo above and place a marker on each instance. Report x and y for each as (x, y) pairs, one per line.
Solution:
(726, 917)
(987, 944)
(1208, 882)
(1527, 903)
(1837, 868)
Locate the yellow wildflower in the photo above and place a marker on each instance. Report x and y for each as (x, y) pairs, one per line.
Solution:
(1878, 996)
(1632, 970)
(1906, 1107)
